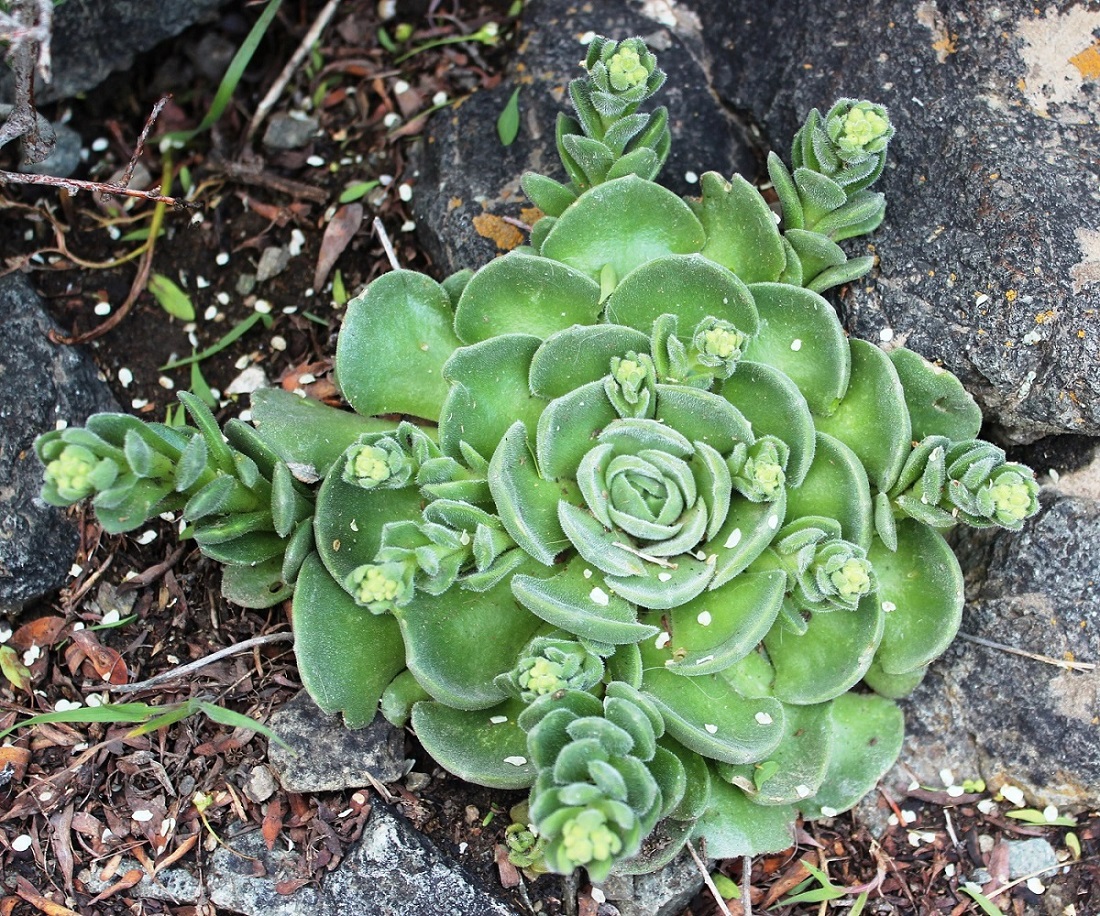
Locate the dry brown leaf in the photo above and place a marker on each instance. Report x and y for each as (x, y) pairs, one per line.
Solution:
(108, 664)
(338, 235)
(43, 632)
(18, 757)
(43, 904)
(509, 875)
(128, 880)
(793, 875)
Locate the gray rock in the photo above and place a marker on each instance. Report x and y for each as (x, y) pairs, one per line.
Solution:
(273, 261)
(93, 38)
(394, 871)
(1011, 719)
(40, 385)
(990, 253)
(464, 172)
(64, 158)
(290, 131)
(173, 885)
(1030, 857)
(246, 882)
(330, 757)
(665, 892)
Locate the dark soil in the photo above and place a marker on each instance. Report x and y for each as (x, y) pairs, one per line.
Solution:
(72, 789)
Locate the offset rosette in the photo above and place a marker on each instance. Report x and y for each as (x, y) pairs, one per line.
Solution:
(943, 483)
(603, 780)
(549, 665)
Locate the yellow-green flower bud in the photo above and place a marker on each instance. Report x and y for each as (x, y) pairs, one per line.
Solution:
(1013, 499)
(722, 342)
(861, 127)
(587, 838)
(544, 676)
(380, 588)
(626, 70)
(70, 471)
(852, 581)
(369, 466)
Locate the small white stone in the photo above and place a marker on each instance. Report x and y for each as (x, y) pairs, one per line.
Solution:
(21, 843)
(826, 811)
(892, 820)
(886, 335)
(262, 306)
(405, 192)
(773, 522)
(391, 120)
(138, 403)
(946, 776)
(75, 570)
(125, 377)
(64, 705)
(315, 161)
(711, 729)
(166, 383)
(690, 177)
(586, 38)
(5, 633)
(1050, 812)
(278, 343)
(440, 98)
(408, 226)
(981, 299)
(516, 761)
(955, 791)
(102, 308)
(222, 259)
(297, 243)
(889, 606)
(796, 344)
(1035, 885)
(462, 847)
(598, 896)
(112, 617)
(700, 555)
(704, 618)
(94, 699)
(498, 720)
(100, 144)
(663, 639)
(987, 806)
(803, 791)
(32, 655)
(599, 596)
(763, 718)
(201, 282)
(587, 574)
(664, 577)
(949, 870)
(223, 299)
(142, 816)
(400, 87)
(1013, 794)
(734, 539)
(908, 816)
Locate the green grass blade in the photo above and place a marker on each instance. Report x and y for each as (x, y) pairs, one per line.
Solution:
(508, 122)
(237, 720)
(238, 330)
(987, 906)
(119, 712)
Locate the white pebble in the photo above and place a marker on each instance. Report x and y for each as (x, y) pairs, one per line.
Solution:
(908, 816)
(315, 161)
(773, 522)
(734, 539)
(142, 816)
(222, 259)
(690, 177)
(440, 98)
(405, 192)
(5, 633)
(99, 144)
(663, 639)
(1035, 886)
(391, 120)
(796, 344)
(987, 806)
(886, 335)
(32, 655)
(75, 570)
(826, 811)
(803, 791)
(889, 606)
(664, 577)
(599, 596)
(763, 718)
(125, 377)
(223, 298)
(516, 761)
(498, 720)
(1050, 812)
(947, 777)
(400, 87)
(278, 343)
(587, 574)
(165, 382)
(21, 843)
(112, 617)
(408, 226)
(711, 729)
(262, 306)
(102, 308)
(955, 791)
(704, 618)
(1013, 794)
(65, 705)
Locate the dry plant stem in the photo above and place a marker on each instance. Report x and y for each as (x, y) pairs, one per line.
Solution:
(384, 238)
(746, 885)
(73, 185)
(702, 866)
(142, 137)
(308, 40)
(198, 664)
(1061, 663)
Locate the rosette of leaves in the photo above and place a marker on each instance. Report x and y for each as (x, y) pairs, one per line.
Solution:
(241, 503)
(631, 489)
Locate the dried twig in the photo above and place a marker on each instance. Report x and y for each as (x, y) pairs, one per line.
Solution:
(708, 881)
(1059, 662)
(292, 65)
(191, 667)
(73, 185)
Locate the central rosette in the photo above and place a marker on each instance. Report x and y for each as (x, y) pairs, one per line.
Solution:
(652, 484)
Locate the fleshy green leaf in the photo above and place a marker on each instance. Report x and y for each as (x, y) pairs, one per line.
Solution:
(691, 287)
(171, 298)
(836, 487)
(579, 355)
(508, 121)
(623, 223)
(741, 230)
(394, 341)
(346, 655)
(734, 826)
(938, 404)
(475, 745)
(801, 336)
(524, 294)
(872, 419)
(920, 587)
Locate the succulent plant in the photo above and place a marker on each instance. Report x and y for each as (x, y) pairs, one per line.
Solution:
(651, 536)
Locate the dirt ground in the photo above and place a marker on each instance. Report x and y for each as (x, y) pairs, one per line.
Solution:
(81, 796)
